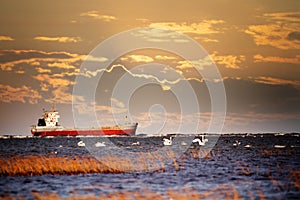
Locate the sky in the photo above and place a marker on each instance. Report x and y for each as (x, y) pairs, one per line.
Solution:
(255, 45)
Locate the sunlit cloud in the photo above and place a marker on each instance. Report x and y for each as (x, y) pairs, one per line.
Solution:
(283, 32)
(162, 57)
(277, 59)
(89, 74)
(209, 40)
(54, 82)
(276, 81)
(37, 59)
(202, 28)
(6, 38)
(198, 64)
(58, 39)
(24, 94)
(286, 16)
(229, 61)
(137, 58)
(95, 59)
(60, 96)
(62, 65)
(164, 31)
(160, 34)
(96, 15)
(59, 88)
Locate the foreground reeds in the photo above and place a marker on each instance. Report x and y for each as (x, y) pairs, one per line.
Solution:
(224, 191)
(71, 165)
(31, 165)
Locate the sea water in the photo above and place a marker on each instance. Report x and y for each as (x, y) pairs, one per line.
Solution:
(252, 166)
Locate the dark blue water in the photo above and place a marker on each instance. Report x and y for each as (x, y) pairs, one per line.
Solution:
(265, 166)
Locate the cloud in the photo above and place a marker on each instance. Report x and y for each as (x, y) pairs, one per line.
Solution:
(54, 82)
(90, 74)
(12, 59)
(159, 34)
(161, 57)
(198, 64)
(284, 16)
(96, 15)
(6, 38)
(277, 59)
(59, 88)
(58, 39)
(60, 96)
(294, 36)
(95, 59)
(229, 61)
(283, 32)
(9, 94)
(164, 31)
(137, 58)
(202, 28)
(62, 65)
(276, 81)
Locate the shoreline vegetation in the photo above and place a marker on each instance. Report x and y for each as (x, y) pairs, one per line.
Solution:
(224, 191)
(32, 165)
(72, 165)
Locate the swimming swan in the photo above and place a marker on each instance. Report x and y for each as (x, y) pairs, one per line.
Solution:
(200, 142)
(167, 142)
(81, 144)
(100, 144)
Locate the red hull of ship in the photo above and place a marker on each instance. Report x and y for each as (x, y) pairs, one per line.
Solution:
(84, 132)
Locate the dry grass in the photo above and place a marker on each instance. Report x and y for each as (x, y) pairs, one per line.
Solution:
(40, 165)
(224, 191)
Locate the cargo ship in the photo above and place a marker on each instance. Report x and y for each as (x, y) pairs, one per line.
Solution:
(48, 126)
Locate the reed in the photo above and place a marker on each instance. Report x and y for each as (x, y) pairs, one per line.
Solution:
(224, 191)
(71, 165)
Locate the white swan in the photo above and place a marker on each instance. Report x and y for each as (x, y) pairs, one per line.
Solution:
(183, 143)
(237, 143)
(136, 143)
(279, 146)
(81, 144)
(167, 142)
(100, 144)
(200, 142)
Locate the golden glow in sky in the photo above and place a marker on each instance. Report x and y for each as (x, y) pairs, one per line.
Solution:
(255, 44)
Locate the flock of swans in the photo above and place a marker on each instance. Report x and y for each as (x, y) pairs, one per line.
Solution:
(169, 141)
(166, 142)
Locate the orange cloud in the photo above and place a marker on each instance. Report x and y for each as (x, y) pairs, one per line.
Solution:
(62, 65)
(229, 61)
(59, 90)
(277, 59)
(283, 33)
(61, 60)
(96, 15)
(42, 70)
(137, 58)
(6, 38)
(204, 27)
(276, 81)
(54, 82)
(58, 39)
(199, 64)
(60, 96)
(160, 57)
(22, 94)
